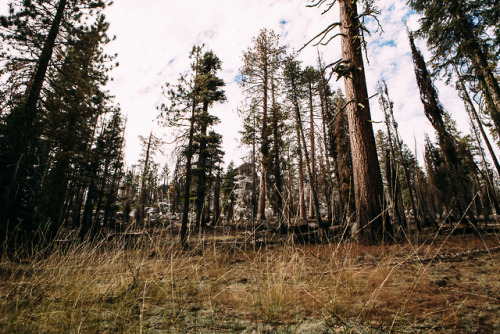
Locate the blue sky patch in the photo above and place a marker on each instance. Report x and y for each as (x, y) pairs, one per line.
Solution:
(238, 78)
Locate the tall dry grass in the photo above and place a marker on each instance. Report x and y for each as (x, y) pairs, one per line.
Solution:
(150, 284)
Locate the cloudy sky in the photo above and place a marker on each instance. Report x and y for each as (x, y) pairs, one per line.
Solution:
(153, 40)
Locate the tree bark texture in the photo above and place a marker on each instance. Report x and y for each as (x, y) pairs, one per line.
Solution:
(371, 226)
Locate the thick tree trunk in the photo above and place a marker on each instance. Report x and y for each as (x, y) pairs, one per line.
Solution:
(371, 225)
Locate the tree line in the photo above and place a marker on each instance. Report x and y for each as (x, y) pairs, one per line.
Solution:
(60, 131)
(313, 153)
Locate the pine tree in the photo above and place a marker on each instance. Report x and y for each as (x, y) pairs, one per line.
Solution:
(371, 224)
(310, 78)
(184, 103)
(325, 95)
(457, 34)
(294, 93)
(151, 145)
(455, 154)
(188, 109)
(35, 33)
(101, 173)
(261, 64)
(70, 115)
(293, 76)
(392, 126)
(210, 93)
(249, 137)
(227, 189)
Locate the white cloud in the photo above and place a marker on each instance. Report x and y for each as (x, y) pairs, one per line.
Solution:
(154, 39)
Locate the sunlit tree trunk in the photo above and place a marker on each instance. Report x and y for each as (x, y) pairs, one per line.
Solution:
(371, 225)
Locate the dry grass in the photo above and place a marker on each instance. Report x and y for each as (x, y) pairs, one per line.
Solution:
(157, 287)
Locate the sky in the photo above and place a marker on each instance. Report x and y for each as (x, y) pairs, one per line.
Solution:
(154, 38)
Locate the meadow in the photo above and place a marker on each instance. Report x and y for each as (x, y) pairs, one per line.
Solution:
(226, 282)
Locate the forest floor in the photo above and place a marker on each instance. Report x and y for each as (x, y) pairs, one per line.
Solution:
(226, 282)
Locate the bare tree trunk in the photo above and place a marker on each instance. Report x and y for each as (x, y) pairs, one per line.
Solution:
(264, 149)
(312, 181)
(277, 161)
(302, 137)
(302, 203)
(139, 214)
(328, 179)
(201, 185)
(371, 225)
(309, 172)
(189, 156)
(254, 180)
(400, 151)
(469, 106)
(43, 64)
(216, 215)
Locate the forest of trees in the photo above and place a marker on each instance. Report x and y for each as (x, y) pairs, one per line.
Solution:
(314, 159)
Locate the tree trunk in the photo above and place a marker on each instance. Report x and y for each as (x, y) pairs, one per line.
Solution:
(189, 156)
(371, 225)
(201, 185)
(254, 178)
(303, 138)
(401, 157)
(489, 84)
(216, 215)
(264, 149)
(312, 181)
(139, 214)
(328, 180)
(487, 176)
(302, 202)
(469, 106)
(277, 160)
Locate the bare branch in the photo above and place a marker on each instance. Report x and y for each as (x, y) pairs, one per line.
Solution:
(324, 33)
